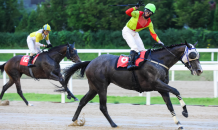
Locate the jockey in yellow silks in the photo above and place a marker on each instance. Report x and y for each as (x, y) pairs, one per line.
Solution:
(139, 21)
(33, 41)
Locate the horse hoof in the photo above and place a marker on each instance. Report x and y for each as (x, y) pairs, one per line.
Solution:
(30, 105)
(180, 128)
(69, 97)
(76, 99)
(114, 125)
(185, 114)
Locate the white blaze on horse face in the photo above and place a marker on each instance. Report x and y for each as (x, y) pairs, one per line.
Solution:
(124, 59)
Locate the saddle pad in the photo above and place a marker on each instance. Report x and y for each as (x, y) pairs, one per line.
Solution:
(123, 60)
(25, 59)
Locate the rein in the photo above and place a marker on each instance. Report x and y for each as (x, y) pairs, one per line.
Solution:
(185, 53)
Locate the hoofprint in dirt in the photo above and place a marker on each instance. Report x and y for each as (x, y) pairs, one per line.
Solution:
(193, 89)
(52, 116)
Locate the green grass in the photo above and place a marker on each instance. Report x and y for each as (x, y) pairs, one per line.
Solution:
(110, 99)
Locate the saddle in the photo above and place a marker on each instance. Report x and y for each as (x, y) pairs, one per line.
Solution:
(123, 60)
(25, 59)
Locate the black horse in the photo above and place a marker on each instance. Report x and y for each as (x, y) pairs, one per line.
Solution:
(47, 67)
(152, 76)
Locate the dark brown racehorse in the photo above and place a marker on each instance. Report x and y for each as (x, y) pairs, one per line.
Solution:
(152, 76)
(47, 67)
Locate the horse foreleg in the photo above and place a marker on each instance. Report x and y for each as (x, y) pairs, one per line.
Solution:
(167, 100)
(103, 99)
(70, 94)
(19, 91)
(166, 88)
(61, 80)
(182, 103)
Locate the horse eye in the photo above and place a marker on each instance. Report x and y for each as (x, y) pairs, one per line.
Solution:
(192, 55)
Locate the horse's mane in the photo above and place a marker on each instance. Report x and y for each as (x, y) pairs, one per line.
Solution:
(171, 46)
(56, 47)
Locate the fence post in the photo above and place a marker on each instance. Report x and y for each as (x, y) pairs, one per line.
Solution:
(172, 75)
(215, 83)
(99, 53)
(63, 97)
(212, 56)
(4, 79)
(71, 85)
(148, 98)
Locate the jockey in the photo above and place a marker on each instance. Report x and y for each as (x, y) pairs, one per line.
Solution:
(139, 21)
(33, 41)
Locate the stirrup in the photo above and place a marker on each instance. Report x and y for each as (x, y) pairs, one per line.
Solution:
(31, 65)
(131, 67)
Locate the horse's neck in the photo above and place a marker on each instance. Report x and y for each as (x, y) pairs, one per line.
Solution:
(57, 55)
(166, 58)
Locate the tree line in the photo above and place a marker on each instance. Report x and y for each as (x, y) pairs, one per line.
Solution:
(95, 15)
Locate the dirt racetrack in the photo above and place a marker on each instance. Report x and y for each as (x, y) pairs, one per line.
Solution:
(52, 116)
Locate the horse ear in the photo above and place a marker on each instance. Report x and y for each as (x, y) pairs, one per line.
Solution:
(73, 44)
(189, 46)
(195, 43)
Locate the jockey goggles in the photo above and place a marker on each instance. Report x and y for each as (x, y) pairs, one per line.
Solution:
(148, 11)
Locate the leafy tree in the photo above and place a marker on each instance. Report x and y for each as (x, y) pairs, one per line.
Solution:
(9, 15)
(194, 13)
(215, 21)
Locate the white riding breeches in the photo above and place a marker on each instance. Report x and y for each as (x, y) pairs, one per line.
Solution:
(133, 39)
(32, 46)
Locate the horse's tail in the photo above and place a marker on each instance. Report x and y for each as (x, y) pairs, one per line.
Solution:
(2, 67)
(71, 70)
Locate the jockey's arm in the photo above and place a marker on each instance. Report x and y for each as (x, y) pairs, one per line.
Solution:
(131, 12)
(37, 41)
(47, 39)
(152, 32)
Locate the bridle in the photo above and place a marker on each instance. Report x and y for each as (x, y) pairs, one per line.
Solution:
(68, 54)
(187, 64)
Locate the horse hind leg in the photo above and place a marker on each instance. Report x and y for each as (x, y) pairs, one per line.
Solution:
(89, 96)
(167, 100)
(5, 87)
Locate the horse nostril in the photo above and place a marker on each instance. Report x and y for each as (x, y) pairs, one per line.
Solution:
(200, 71)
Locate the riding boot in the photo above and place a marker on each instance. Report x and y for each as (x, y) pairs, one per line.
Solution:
(131, 64)
(30, 62)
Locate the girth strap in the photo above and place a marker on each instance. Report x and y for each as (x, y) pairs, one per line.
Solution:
(136, 85)
(31, 73)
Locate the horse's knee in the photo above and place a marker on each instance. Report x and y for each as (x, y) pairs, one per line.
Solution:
(19, 92)
(103, 108)
(175, 91)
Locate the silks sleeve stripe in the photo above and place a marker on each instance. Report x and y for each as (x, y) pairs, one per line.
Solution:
(129, 11)
(152, 32)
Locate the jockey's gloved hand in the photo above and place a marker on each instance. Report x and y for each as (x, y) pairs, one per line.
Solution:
(49, 45)
(161, 43)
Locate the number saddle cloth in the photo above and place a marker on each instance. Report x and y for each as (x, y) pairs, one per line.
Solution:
(25, 59)
(122, 61)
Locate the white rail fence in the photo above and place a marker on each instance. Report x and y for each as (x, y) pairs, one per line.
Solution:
(206, 65)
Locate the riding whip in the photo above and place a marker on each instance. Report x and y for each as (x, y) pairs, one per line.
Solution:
(140, 3)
